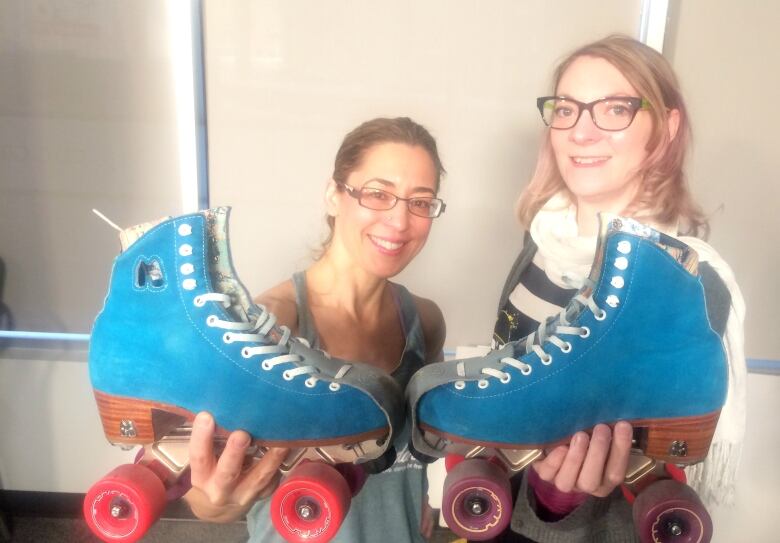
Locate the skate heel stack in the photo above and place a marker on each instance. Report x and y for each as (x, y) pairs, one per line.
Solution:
(131, 421)
(678, 441)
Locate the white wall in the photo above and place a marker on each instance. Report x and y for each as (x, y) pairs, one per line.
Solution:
(727, 55)
(287, 80)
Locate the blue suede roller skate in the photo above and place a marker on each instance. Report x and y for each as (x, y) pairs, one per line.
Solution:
(634, 344)
(179, 334)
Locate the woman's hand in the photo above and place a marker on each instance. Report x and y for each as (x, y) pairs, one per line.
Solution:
(222, 490)
(595, 465)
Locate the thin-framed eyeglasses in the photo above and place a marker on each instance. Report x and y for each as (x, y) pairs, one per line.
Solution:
(611, 113)
(381, 200)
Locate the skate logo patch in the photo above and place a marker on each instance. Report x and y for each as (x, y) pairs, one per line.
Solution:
(149, 274)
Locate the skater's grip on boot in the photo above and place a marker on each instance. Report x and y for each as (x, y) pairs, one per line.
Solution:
(594, 464)
(222, 490)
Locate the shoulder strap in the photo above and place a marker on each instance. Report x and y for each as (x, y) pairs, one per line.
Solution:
(521, 263)
(410, 319)
(306, 328)
(717, 296)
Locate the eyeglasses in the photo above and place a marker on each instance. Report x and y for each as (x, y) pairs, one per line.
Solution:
(381, 200)
(610, 113)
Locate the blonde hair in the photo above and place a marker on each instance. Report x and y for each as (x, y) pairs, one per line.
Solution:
(663, 197)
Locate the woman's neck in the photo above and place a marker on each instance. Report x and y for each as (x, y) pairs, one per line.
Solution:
(335, 283)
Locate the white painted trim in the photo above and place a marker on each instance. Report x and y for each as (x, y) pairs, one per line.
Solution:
(652, 23)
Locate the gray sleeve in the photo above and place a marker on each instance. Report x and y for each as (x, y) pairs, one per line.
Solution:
(598, 520)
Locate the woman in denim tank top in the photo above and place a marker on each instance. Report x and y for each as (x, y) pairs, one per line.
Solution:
(381, 202)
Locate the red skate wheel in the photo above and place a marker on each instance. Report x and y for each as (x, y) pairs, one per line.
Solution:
(477, 500)
(354, 475)
(669, 511)
(124, 504)
(311, 503)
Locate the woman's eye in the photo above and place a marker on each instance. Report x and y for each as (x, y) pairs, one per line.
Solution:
(563, 111)
(421, 204)
(618, 109)
(375, 194)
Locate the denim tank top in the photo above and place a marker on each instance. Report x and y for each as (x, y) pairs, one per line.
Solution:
(413, 356)
(389, 504)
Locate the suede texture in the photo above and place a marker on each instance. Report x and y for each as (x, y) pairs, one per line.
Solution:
(655, 355)
(152, 342)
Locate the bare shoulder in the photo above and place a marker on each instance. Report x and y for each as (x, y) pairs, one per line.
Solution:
(434, 328)
(280, 300)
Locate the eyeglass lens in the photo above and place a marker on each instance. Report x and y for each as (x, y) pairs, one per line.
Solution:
(381, 200)
(608, 113)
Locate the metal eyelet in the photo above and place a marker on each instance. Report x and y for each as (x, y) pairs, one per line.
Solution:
(460, 385)
(189, 284)
(227, 337)
(483, 383)
(185, 250)
(566, 348)
(311, 382)
(546, 361)
(601, 316)
(585, 333)
(198, 301)
(624, 247)
(186, 269)
(334, 387)
(621, 263)
(211, 320)
(266, 365)
(185, 229)
(287, 376)
(506, 378)
(617, 282)
(245, 352)
(526, 370)
(612, 301)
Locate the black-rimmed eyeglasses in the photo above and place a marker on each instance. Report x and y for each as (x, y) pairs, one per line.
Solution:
(381, 200)
(610, 113)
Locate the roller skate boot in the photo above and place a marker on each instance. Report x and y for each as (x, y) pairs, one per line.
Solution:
(634, 344)
(179, 334)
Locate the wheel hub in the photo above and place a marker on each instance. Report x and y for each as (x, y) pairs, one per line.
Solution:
(307, 509)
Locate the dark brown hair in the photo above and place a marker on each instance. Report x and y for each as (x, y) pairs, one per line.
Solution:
(375, 132)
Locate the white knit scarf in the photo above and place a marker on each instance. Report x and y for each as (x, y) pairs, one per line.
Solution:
(567, 257)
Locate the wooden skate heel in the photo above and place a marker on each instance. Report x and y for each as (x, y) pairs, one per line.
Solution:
(133, 421)
(678, 441)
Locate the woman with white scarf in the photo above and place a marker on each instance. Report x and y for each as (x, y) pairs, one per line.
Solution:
(617, 137)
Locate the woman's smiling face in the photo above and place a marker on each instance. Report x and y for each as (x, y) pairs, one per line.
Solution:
(599, 166)
(384, 242)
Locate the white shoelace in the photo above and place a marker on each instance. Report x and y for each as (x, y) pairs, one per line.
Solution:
(535, 340)
(256, 331)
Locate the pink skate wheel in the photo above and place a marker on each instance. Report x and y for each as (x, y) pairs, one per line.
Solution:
(311, 503)
(477, 500)
(671, 512)
(124, 504)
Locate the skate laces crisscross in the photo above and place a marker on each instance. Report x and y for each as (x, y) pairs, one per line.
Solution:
(256, 331)
(548, 332)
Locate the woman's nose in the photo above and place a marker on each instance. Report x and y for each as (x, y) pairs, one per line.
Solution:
(585, 131)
